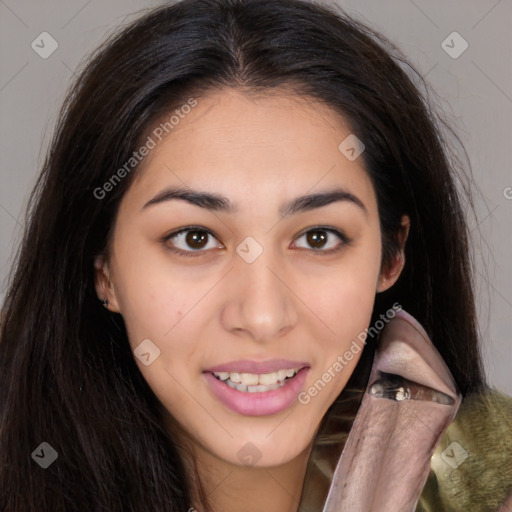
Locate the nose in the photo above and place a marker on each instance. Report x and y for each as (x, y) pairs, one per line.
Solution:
(260, 303)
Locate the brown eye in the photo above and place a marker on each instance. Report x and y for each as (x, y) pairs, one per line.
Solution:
(191, 240)
(316, 239)
(196, 239)
(324, 240)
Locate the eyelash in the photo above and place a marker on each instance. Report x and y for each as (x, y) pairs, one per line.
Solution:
(193, 253)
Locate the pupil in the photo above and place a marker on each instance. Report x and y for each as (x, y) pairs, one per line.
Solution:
(316, 238)
(196, 239)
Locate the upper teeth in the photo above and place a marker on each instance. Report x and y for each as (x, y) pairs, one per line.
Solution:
(253, 379)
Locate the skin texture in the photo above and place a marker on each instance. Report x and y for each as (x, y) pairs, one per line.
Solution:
(293, 302)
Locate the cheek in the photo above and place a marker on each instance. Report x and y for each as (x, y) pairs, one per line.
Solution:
(153, 295)
(345, 307)
(347, 312)
(349, 301)
(162, 303)
(349, 293)
(157, 305)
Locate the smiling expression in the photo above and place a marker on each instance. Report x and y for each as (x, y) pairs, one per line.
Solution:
(246, 244)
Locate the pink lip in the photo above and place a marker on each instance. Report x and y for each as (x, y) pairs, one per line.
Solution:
(258, 404)
(246, 366)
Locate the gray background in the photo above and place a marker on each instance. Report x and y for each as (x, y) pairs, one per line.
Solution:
(475, 91)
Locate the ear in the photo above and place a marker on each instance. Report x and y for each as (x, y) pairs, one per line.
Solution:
(391, 272)
(103, 283)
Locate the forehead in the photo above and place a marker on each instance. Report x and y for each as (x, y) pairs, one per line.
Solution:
(248, 145)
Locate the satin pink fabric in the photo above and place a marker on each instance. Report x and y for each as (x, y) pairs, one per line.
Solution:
(410, 400)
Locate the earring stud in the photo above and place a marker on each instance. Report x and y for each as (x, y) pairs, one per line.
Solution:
(105, 302)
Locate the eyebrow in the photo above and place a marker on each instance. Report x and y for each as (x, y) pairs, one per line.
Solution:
(219, 203)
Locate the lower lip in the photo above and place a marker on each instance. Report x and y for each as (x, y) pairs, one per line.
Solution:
(262, 403)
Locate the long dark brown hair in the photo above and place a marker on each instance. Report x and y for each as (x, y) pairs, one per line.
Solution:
(67, 374)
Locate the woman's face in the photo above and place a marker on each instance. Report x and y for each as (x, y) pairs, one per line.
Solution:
(262, 284)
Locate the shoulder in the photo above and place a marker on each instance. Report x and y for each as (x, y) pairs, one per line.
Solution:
(471, 468)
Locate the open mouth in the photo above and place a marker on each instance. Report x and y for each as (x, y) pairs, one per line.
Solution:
(252, 394)
(256, 383)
